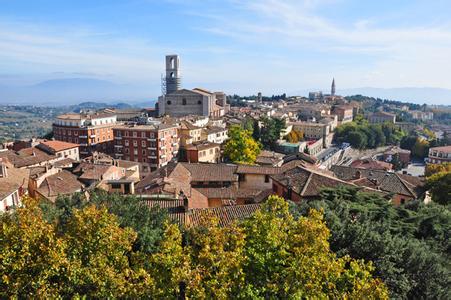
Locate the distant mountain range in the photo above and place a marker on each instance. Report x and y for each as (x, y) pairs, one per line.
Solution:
(75, 90)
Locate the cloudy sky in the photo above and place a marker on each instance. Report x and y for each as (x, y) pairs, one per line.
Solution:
(234, 45)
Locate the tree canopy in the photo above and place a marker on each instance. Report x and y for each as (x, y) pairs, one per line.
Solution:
(362, 135)
(271, 255)
(406, 244)
(241, 147)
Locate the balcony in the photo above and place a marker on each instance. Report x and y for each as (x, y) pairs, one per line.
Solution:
(163, 156)
(152, 157)
(152, 148)
(118, 146)
(83, 136)
(152, 140)
(118, 138)
(163, 147)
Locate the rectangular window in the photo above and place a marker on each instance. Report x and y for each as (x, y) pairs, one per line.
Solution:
(135, 134)
(144, 152)
(127, 150)
(143, 143)
(143, 134)
(135, 143)
(266, 178)
(135, 152)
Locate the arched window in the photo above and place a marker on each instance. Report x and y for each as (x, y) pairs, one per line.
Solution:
(172, 63)
(169, 102)
(172, 75)
(183, 101)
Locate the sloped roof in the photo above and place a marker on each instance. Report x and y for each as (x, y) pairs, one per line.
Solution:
(27, 157)
(226, 215)
(15, 179)
(211, 172)
(56, 146)
(306, 182)
(61, 183)
(386, 181)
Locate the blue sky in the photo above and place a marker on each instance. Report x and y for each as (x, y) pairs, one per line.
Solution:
(238, 46)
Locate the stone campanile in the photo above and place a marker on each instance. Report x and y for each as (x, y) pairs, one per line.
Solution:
(173, 80)
(332, 90)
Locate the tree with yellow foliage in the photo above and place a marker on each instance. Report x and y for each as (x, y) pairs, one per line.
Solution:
(241, 147)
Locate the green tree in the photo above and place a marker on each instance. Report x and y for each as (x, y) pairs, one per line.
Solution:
(241, 147)
(405, 243)
(271, 130)
(440, 187)
(357, 139)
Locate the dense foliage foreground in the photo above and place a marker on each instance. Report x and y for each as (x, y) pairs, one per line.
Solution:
(81, 249)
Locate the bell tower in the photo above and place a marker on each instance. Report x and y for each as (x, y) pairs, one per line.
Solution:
(332, 90)
(172, 78)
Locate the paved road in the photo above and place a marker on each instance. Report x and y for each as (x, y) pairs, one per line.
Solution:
(354, 154)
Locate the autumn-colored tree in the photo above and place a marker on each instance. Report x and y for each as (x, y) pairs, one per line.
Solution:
(421, 148)
(217, 258)
(432, 169)
(170, 266)
(440, 187)
(291, 259)
(97, 253)
(294, 136)
(241, 147)
(32, 257)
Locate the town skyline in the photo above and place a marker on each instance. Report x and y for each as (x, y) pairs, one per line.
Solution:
(246, 47)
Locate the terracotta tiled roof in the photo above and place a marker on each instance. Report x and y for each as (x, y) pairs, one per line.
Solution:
(56, 146)
(226, 214)
(372, 164)
(27, 157)
(211, 172)
(61, 183)
(308, 183)
(443, 148)
(386, 181)
(15, 179)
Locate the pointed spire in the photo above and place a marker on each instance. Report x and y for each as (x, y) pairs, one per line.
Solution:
(332, 91)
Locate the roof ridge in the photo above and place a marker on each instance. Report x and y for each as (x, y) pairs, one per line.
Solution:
(405, 185)
(306, 183)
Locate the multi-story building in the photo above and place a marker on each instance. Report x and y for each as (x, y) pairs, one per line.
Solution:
(422, 115)
(155, 145)
(206, 152)
(93, 132)
(61, 149)
(382, 117)
(215, 134)
(439, 155)
(345, 113)
(311, 130)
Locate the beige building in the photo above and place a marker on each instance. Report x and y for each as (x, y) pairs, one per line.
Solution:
(311, 130)
(206, 152)
(61, 149)
(189, 133)
(193, 102)
(382, 117)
